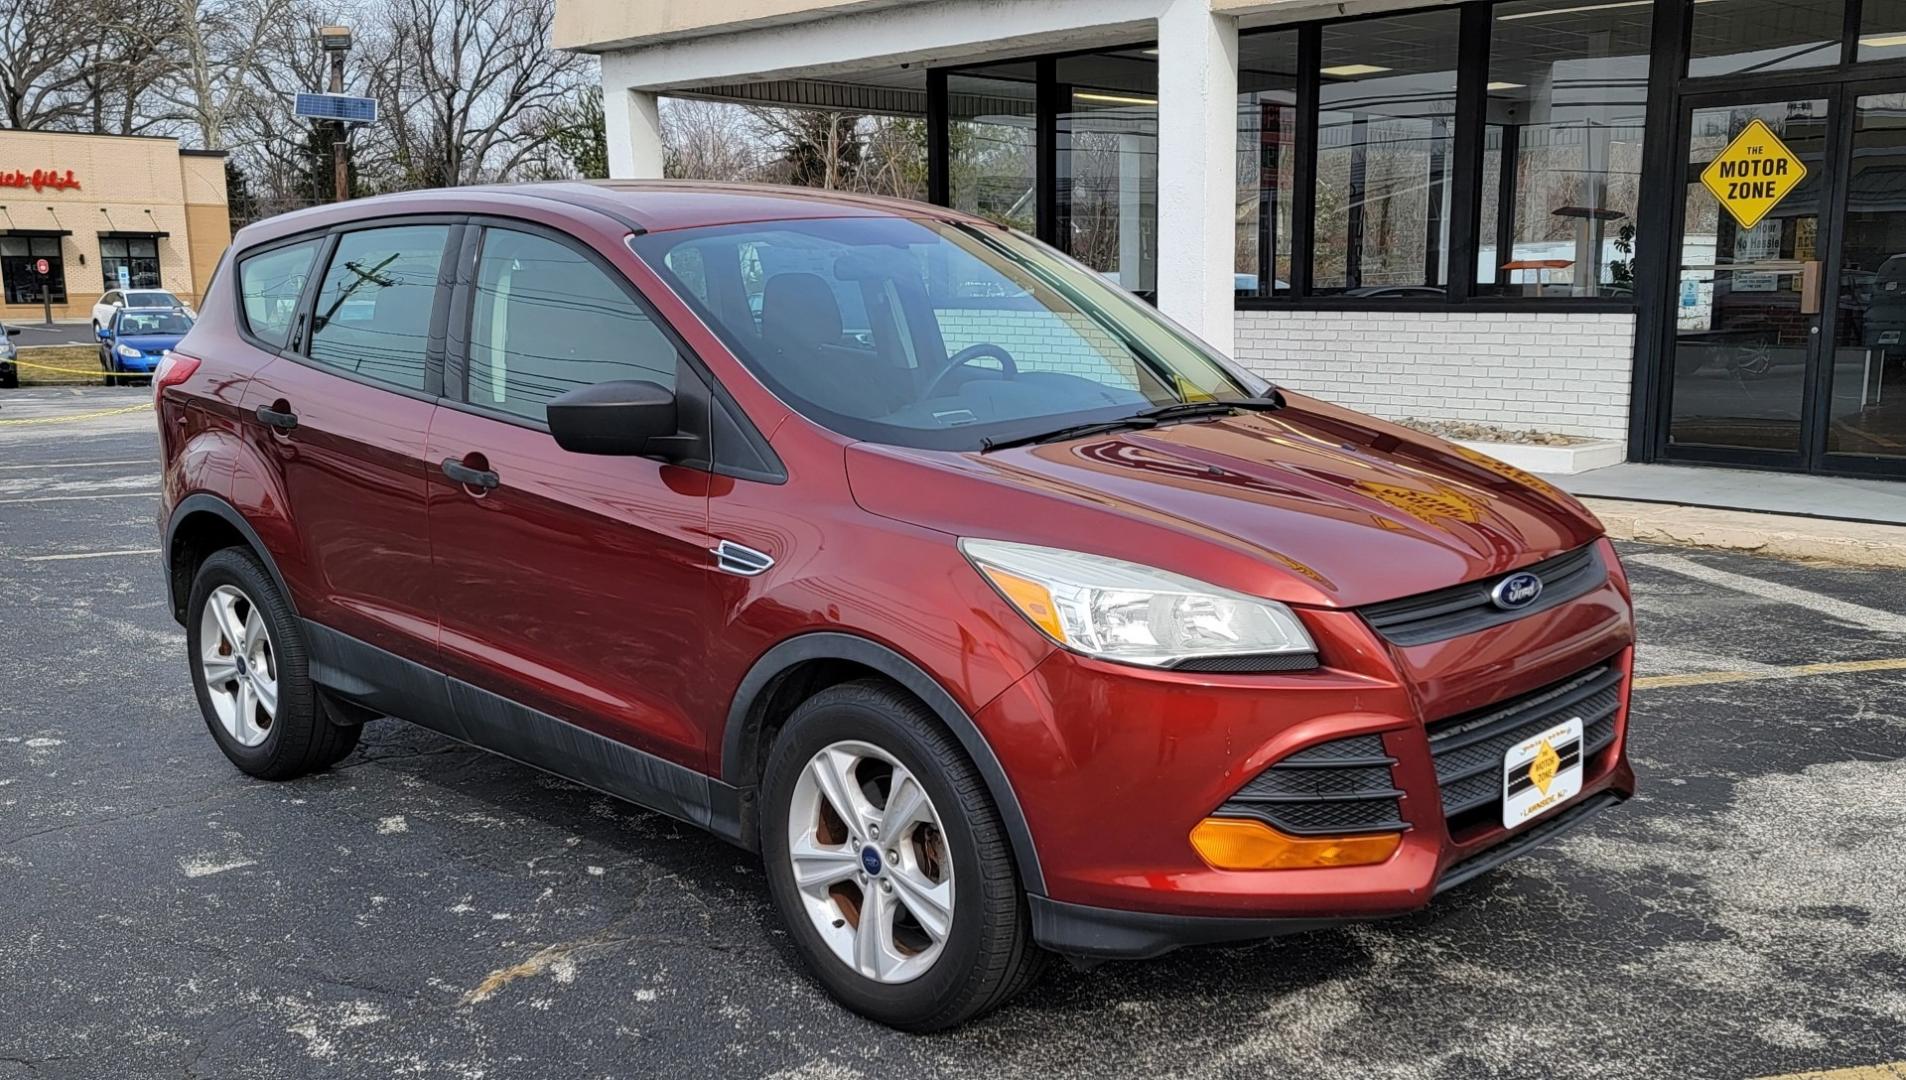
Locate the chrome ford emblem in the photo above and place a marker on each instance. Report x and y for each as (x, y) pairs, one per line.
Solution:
(1516, 591)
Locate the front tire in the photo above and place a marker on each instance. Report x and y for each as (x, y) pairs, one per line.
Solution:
(889, 862)
(250, 672)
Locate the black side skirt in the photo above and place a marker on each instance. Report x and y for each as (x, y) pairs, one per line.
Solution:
(386, 683)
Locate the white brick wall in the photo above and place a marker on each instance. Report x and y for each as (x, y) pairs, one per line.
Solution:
(1561, 372)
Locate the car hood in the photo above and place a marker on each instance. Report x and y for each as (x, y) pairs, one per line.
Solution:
(151, 342)
(1308, 504)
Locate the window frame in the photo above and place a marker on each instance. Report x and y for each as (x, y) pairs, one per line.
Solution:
(456, 383)
(699, 395)
(297, 347)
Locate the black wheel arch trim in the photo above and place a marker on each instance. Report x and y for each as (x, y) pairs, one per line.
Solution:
(833, 645)
(206, 502)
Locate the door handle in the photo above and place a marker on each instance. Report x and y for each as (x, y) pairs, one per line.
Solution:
(470, 476)
(284, 420)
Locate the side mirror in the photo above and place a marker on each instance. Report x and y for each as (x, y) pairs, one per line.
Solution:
(105, 333)
(13, 331)
(626, 416)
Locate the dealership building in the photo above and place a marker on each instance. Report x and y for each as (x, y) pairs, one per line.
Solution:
(1514, 214)
(81, 215)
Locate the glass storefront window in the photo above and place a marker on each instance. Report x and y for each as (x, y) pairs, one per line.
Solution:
(1108, 164)
(1566, 108)
(19, 269)
(1267, 161)
(992, 158)
(1385, 130)
(1742, 37)
(1882, 30)
(138, 256)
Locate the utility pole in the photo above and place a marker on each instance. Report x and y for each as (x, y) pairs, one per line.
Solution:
(337, 42)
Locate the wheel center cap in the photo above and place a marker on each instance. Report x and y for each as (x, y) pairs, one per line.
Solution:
(870, 861)
(242, 667)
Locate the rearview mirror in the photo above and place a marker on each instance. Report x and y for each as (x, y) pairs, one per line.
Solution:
(626, 416)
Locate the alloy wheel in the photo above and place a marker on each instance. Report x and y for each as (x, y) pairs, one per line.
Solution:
(870, 861)
(240, 667)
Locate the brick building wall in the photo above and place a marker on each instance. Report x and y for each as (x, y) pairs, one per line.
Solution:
(1562, 372)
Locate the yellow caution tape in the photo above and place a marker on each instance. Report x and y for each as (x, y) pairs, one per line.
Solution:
(74, 371)
(77, 416)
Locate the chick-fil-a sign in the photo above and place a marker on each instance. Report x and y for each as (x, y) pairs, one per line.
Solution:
(40, 179)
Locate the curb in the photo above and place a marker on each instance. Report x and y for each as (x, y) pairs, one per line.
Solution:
(1848, 543)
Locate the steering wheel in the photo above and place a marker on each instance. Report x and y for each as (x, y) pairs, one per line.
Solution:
(966, 356)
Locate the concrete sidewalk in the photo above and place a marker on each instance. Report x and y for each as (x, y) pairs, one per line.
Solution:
(1847, 543)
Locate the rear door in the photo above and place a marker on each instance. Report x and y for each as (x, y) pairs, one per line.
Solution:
(342, 415)
(577, 584)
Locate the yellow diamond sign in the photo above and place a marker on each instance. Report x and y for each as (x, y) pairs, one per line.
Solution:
(1543, 769)
(1753, 174)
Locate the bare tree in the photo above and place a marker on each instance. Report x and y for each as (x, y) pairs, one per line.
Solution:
(710, 140)
(469, 87)
(43, 75)
(215, 49)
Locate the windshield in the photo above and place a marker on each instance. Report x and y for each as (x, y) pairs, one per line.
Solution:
(930, 334)
(133, 323)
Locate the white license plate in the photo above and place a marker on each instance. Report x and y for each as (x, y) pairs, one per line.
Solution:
(1542, 772)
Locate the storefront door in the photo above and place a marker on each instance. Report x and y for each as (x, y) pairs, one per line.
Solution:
(1786, 339)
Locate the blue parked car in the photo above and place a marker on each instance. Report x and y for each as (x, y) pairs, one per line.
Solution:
(136, 339)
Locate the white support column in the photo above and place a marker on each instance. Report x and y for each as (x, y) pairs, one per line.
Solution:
(632, 124)
(1197, 169)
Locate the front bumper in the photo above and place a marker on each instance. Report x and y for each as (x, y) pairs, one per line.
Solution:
(1113, 934)
(1114, 766)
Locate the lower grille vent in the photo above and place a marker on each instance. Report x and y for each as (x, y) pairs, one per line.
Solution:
(1333, 788)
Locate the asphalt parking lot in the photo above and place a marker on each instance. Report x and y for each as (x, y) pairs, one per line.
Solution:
(426, 910)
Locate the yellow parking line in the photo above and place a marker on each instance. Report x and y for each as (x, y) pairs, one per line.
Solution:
(1797, 671)
(77, 416)
(1892, 1071)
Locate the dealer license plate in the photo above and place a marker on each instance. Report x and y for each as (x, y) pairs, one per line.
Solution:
(1542, 772)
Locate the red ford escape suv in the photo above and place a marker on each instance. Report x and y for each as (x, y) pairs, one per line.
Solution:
(997, 613)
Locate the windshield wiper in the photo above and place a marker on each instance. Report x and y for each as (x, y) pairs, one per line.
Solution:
(1188, 410)
(1075, 431)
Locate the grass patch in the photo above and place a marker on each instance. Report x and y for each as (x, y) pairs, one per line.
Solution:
(59, 365)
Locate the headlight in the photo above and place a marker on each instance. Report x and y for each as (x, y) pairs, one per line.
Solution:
(1134, 614)
(127, 350)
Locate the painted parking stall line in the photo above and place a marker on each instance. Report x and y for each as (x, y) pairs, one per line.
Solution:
(71, 555)
(1842, 610)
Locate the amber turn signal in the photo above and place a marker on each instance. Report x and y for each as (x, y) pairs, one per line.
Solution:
(1236, 844)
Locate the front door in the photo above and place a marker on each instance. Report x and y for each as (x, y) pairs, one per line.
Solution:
(1786, 340)
(575, 584)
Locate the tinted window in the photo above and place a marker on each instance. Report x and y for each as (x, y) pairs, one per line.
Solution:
(373, 312)
(546, 320)
(269, 285)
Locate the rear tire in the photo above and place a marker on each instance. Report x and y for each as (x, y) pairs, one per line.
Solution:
(883, 737)
(10, 378)
(250, 671)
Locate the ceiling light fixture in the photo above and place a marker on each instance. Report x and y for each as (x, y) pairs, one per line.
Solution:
(1351, 71)
(1882, 41)
(1573, 10)
(1505, 86)
(1113, 99)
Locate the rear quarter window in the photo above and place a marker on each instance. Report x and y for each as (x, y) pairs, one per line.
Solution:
(269, 284)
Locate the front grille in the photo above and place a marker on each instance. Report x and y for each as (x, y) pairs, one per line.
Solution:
(1468, 749)
(1465, 609)
(1337, 787)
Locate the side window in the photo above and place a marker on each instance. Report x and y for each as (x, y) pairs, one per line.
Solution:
(547, 320)
(373, 312)
(269, 285)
